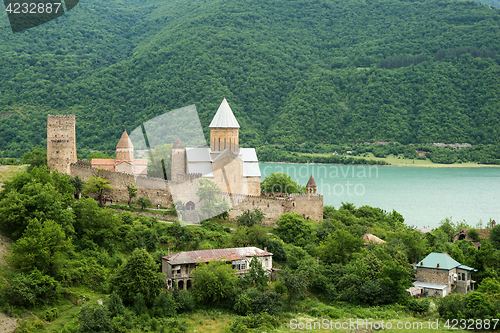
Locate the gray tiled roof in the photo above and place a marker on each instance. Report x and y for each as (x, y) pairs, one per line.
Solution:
(224, 117)
(251, 169)
(224, 152)
(249, 155)
(205, 168)
(198, 154)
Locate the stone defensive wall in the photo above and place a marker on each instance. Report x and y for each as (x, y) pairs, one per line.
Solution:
(154, 188)
(308, 205)
(159, 192)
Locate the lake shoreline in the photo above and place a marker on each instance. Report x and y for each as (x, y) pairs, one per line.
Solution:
(433, 165)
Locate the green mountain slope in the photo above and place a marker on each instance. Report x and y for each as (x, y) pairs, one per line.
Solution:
(293, 71)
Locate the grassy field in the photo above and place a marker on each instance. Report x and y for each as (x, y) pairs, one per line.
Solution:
(8, 171)
(401, 161)
(216, 320)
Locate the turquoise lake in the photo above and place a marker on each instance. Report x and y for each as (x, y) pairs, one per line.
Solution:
(424, 196)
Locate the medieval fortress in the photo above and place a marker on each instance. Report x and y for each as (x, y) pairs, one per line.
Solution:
(235, 170)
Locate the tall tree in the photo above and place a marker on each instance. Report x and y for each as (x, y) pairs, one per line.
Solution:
(42, 246)
(339, 247)
(214, 281)
(132, 193)
(78, 184)
(139, 274)
(97, 185)
(35, 195)
(281, 183)
(211, 198)
(35, 158)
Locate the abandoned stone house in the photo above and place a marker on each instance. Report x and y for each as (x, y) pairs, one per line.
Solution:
(439, 274)
(178, 267)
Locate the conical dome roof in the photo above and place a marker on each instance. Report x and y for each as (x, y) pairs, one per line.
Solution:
(178, 144)
(311, 182)
(125, 141)
(224, 117)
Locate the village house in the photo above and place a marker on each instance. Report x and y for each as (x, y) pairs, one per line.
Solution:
(439, 274)
(178, 267)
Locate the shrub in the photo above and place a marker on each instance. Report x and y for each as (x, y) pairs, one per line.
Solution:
(473, 234)
(115, 306)
(253, 301)
(30, 326)
(418, 305)
(33, 289)
(262, 322)
(451, 306)
(95, 318)
(164, 305)
(51, 314)
(185, 301)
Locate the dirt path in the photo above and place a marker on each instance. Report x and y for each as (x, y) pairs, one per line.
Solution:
(3, 250)
(7, 324)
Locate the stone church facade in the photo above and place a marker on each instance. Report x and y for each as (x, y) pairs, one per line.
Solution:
(125, 161)
(235, 170)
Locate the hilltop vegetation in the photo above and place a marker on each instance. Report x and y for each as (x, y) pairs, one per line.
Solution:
(293, 71)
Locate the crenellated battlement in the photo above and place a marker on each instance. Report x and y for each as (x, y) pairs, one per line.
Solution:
(301, 195)
(61, 116)
(181, 178)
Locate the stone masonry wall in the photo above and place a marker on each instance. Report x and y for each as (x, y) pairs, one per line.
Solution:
(155, 189)
(61, 142)
(308, 205)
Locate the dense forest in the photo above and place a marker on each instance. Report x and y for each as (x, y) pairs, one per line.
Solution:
(293, 71)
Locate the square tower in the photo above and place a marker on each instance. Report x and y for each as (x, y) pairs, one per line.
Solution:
(61, 142)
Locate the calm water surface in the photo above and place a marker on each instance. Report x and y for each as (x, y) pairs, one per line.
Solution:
(424, 196)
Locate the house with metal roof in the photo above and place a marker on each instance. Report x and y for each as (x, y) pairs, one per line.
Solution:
(178, 267)
(235, 170)
(439, 274)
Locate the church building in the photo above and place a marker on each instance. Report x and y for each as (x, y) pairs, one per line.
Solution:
(235, 170)
(124, 161)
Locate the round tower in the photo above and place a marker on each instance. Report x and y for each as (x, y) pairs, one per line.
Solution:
(224, 130)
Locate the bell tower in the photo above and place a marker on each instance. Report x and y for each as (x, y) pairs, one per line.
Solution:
(224, 130)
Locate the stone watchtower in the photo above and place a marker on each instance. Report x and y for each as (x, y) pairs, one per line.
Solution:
(61, 142)
(178, 160)
(311, 186)
(224, 130)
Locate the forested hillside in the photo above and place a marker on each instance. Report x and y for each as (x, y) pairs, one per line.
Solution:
(293, 71)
